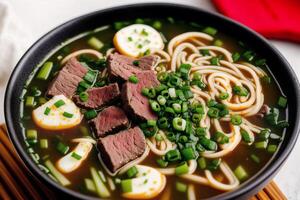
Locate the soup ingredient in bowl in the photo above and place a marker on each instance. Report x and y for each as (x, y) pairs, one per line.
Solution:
(136, 39)
(74, 159)
(147, 184)
(57, 114)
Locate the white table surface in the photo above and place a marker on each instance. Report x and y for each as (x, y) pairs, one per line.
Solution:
(39, 16)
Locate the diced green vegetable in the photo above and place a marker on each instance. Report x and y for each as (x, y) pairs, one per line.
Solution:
(89, 184)
(179, 124)
(157, 24)
(202, 163)
(214, 164)
(67, 115)
(181, 187)
(220, 138)
(188, 153)
(101, 188)
(132, 172)
(162, 163)
(241, 173)
(246, 136)
(182, 169)
(62, 148)
(264, 134)
(208, 144)
(223, 95)
(272, 117)
(84, 96)
(173, 155)
(45, 71)
(59, 103)
(214, 61)
(155, 106)
(31, 134)
(272, 148)
(30, 101)
(43, 143)
(95, 43)
(213, 112)
(240, 91)
(133, 79)
(255, 158)
(76, 156)
(236, 56)
(282, 101)
(61, 178)
(236, 120)
(90, 114)
(126, 185)
(261, 145)
(210, 30)
(47, 111)
(218, 43)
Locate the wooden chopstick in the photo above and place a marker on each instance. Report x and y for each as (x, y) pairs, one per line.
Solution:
(10, 182)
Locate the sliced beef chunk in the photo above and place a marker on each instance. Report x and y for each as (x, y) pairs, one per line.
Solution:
(110, 119)
(67, 79)
(134, 102)
(122, 67)
(99, 96)
(119, 149)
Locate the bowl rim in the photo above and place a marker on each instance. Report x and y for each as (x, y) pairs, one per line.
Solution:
(227, 195)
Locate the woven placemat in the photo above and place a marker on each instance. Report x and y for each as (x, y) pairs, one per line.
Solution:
(17, 182)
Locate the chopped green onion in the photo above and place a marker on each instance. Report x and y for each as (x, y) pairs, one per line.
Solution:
(67, 115)
(205, 52)
(95, 43)
(188, 153)
(31, 134)
(236, 56)
(89, 184)
(272, 117)
(133, 79)
(282, 101)
(272, 148)
(172, 93)
(266, 79)
(43, 143)
(132, 172)
(173, 155)
(90, 76)
(210, 30)
(171, 136)
(151, 93)
(214, 164)
(202, 163)
(181, 187)
(200, 148)
(176, 107)
(220, 138)
(240, 91)
(136, 63)
(260, 62)
(246, 136)
(161, 100)
(162, 163)
(196, 118)
(145, 91)
(264, 134)
(212, 103)
(162, 123)
(240, 173)
(275, 136)
(76, 156)
(45, 71)
(157, 24)
(208, 144)
(47, 111)
(155, 106)
(163, 76)
(182, 169)
(151, 122)
(249, 55)
(214, 61)
(223, 95)
(59, 103)
(90, 114)
(213, 112)
(282, 124)
(30, 101)
(158, 137)
(200, 131)
(84, 96)
(62, 148)
(236, 120)
(218, 43)
(261, 145)
(160, 88)
(179, 124)
(255, 158)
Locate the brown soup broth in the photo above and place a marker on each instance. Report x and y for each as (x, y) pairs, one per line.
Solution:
(241, 155)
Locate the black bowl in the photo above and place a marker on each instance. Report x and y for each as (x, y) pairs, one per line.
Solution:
(278, 65)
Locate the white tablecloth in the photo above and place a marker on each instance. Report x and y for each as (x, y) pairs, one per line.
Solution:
(23, 21)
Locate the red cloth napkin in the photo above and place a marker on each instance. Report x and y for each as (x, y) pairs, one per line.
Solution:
(276, 19)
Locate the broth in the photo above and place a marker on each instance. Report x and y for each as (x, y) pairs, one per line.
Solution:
(240, 156)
